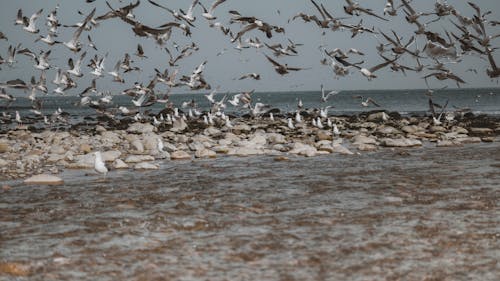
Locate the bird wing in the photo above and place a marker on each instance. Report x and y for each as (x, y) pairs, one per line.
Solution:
(215, 4)
(273, 61)
(79, 30)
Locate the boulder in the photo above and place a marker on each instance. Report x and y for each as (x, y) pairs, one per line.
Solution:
(179, 125)
(378, 117)
(245, 151)
(139, 158)
(44, 179)
(205, 153)
(180, 155)
(402, 142)
(276, 138)
(110, 155)
(146, 166)
(119, 164)
(141, 128)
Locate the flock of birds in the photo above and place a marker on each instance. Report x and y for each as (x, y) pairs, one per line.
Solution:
(469, 37)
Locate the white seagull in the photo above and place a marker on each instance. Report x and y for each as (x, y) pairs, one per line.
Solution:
(99, 165)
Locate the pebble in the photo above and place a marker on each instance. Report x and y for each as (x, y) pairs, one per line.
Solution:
(44, 179)
(180, 155)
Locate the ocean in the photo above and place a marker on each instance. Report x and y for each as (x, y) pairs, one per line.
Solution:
(406, 102)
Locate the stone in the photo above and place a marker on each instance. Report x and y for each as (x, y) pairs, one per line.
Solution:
(139, 158)
(378, 116)
(245, 151)
(258, 140)
(4, 147)
(57, 149)
(85, 161)
(437, 129)
(3, 163)
(146, 166)
(150, 141)
(466, 140)
(366, 147)
(137, 146)
(322, 135)
(303, 149)
(388, 130)
(111, 137)
(402, 142)
(196, 145)
(119, 164)
(53, 158)
(205, 153)
(411, 129)
(180, 155)
(179, 125)
(100, 129)
(362, 139)
(110, 155)
(169, 147)
(141, 128)
(338, 148)
(85, 148)
(276, 138)
(44, 179)
(211, 131)
(447, 143)
(481, 131)
(241, 128)
(222, 149)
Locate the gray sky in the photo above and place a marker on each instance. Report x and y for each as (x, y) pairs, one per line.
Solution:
(117, 38)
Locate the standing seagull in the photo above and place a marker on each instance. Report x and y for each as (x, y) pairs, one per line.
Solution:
(99, 165)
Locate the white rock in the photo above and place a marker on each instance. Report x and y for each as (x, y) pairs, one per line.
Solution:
(3, 163)
(205, 153)
(137, 146)
(338, 148)
(180, 155)
(403, 142)
(119, 164)
(362, 139)
(57, 149)
(179, 125)
(303, 149)
(276, 138)
(110, 155)
(245, 151)
(146, 166)
(138, 158)
(44, 179)
(141, 128)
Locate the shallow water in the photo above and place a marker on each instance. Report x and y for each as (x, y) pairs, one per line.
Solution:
(419, 214)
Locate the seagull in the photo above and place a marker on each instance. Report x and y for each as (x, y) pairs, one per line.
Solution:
(115, 73)
(366, 103)
(75, 68)
(208, 14)
(140, 52)
(99, 165)
(74, 44)
(282, 69)
(290, 124)
(253, 75)
(336, 130)
(31, 26)
(354, 8)
(324, 97)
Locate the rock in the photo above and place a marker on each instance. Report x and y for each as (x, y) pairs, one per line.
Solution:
(388, 130)
(460, 130)
(466, 140)
(322, 135)
(437, 129)
(14, 269)
(378, 116)
(362, 139)
(245, 151)
(146, 166)
(100, 129)
(222, 149)
(137, 146)
(3, 163)
(303, 149)
(481, 131)
(366, 147)
(44, 179)
(258, 140)
(83, 161)
(241, 128)
(281, 158)
(85, 148)
(4, 147)
(57, 149)
(150, 141)
(195, 146)
(411, 129)
(276, 138)
(110, 155)
(53, 158)
(205, 153)
(211, 131)
(169, 147)
(488, 139)
(403, 142)
(141, 128)
(180, 155)
(139, 158)
(447, 143)
(119, 164)
(110, 137)
(338, 148)
(179, 125)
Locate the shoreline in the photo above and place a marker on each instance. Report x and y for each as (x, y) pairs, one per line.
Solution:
(135, 146)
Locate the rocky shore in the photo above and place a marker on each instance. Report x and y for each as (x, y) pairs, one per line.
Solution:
(142, 146)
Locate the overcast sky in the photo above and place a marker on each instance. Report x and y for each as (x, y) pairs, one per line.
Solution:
(117, 38)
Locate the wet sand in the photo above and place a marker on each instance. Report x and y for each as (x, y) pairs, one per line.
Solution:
(395, 214)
